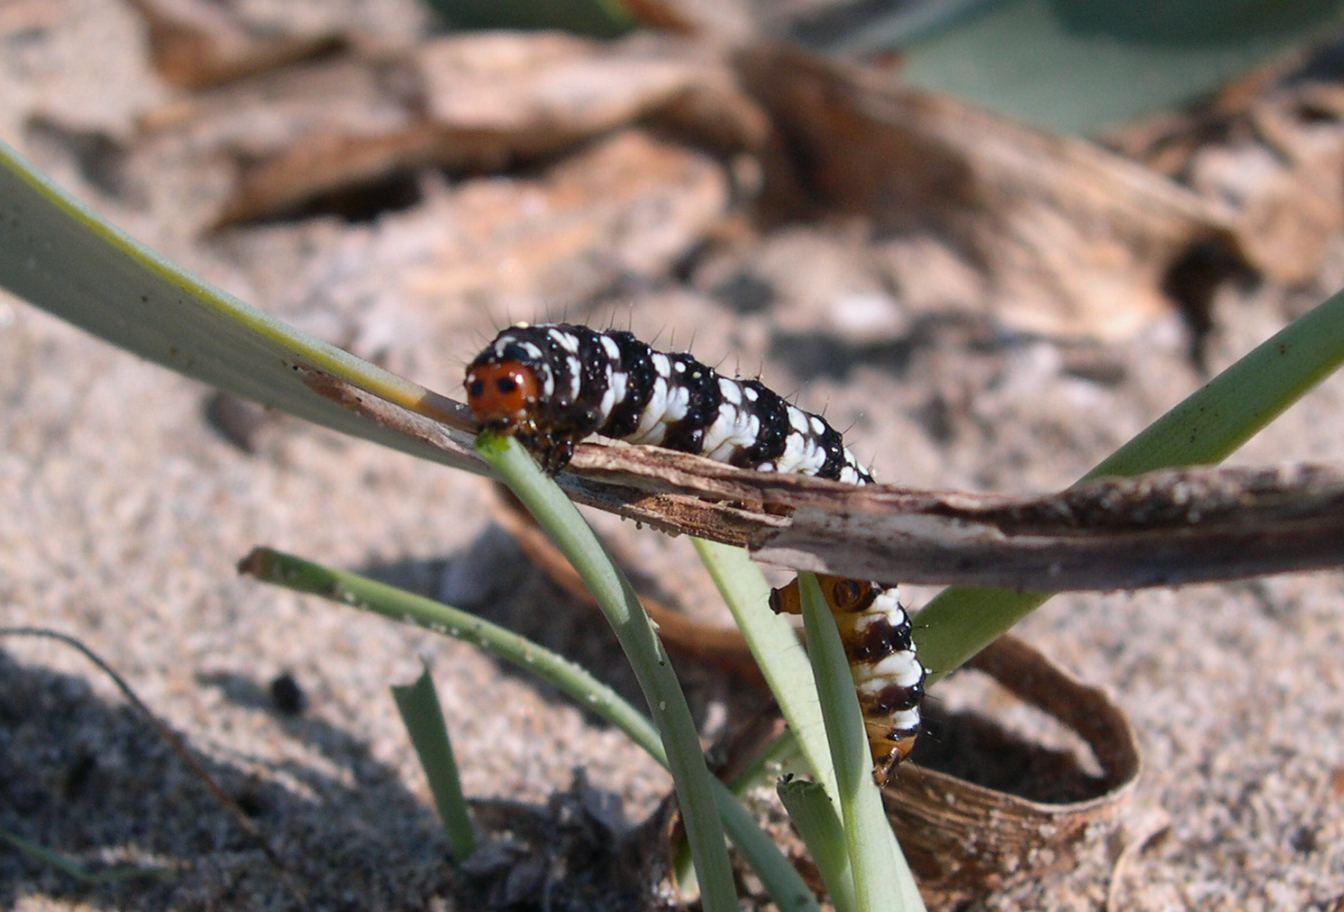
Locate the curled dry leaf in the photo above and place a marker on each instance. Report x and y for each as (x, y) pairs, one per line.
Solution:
(532, 94)
(1071, 239)
(1160, 529)
(964, 840)
(631, 203)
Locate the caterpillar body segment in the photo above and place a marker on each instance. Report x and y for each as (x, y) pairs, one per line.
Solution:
(552, 385)
(876, 632)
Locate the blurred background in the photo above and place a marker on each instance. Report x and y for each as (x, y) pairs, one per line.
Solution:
(992, 240)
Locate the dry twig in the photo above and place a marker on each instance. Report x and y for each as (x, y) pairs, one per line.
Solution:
(1160, 529)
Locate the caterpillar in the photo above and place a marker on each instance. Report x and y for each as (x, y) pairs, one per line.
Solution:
(552, 385)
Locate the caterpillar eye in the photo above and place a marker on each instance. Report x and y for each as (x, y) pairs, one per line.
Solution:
(475, 388)
(506, 385)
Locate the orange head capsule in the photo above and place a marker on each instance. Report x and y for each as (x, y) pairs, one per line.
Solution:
(502, 394)
(842, 595)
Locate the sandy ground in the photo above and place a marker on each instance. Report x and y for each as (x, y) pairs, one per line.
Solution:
(123, 510)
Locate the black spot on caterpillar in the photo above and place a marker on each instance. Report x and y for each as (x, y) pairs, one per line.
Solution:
(552, 385)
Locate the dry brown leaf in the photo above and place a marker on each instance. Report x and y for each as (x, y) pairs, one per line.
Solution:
(1071, 239)
(1284, 184)
(534, 94)
(258, 118)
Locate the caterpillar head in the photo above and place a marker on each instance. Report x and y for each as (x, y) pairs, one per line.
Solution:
(506, 383)
(503, 395)
(842, 595)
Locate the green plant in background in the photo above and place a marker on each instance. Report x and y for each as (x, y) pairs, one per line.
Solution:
(1123, 60)
(63, 258)
(1204, 429)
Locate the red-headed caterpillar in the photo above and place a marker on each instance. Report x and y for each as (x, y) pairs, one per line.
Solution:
(552, 385)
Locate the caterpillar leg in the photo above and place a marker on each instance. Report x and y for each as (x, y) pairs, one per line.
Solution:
(552, 451)
(888, 676)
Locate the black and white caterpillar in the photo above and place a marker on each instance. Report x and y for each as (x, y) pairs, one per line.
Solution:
(552, 385)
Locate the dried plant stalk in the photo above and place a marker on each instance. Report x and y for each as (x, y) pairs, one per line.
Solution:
(1164, 528)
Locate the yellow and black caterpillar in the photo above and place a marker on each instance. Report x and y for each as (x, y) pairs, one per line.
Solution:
(552, 385)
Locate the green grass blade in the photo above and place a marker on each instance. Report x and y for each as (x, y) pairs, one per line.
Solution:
(422, 715)
(1205, 428)
(560, 519)
(63, 258)
(790, 673)
(781, 881)
(404, 607)
(882, 879)
(775, 647)
(814, 816)
(74, 869)
(779, 877)
(1215, 420)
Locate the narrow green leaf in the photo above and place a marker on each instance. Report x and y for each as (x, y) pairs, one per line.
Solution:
(775, 647)
(882, 878)
(790, 674)
(422, 715)
(781, 880)
(819, 826)
(558, 516)
(65, 259)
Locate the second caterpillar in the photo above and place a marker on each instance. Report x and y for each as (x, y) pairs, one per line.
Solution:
(552, 385)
